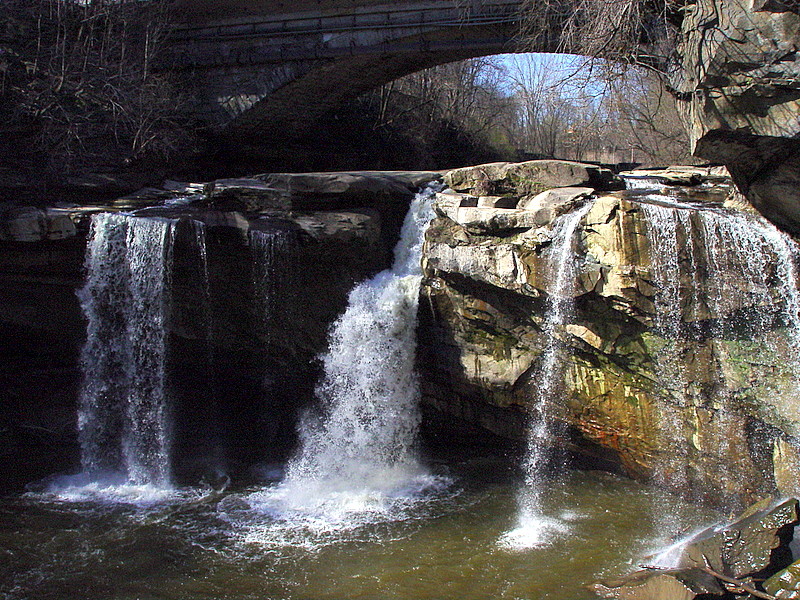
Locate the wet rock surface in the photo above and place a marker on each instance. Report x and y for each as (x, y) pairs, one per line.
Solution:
(672, 584)
(639, 391)
(752, 545)
(746, 556)
(785, 584)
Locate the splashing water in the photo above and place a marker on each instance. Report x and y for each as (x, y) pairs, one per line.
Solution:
(533, 528)
(123, 416)
(357, 464)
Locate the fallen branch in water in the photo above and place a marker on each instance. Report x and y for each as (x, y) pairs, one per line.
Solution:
(741, 585)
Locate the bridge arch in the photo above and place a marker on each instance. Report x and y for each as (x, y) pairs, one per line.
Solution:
(280, 70)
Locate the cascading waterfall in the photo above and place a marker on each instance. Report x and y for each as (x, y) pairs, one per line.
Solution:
(123, 416)
(532, 526)
(358, 462)
(738, 273)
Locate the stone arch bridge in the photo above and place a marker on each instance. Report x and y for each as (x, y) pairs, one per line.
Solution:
(269, 66)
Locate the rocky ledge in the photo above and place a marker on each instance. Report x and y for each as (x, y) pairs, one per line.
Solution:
(750, 555)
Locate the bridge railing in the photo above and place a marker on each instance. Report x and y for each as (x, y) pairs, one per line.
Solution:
(400, 15)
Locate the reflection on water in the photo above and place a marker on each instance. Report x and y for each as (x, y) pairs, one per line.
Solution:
(442, 543)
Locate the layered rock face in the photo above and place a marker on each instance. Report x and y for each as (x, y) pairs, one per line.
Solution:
(739, 90)
(679, 354)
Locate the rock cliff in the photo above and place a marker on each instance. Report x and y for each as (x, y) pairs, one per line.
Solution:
(259, 269)
(676, 364)
(738, 87)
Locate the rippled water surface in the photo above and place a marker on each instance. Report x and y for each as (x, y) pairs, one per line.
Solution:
(438, 542)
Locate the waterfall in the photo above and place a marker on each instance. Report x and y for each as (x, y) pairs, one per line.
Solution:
(267, 247)
(123, 416)
(357, 461)
(737, 273)
(532, 526)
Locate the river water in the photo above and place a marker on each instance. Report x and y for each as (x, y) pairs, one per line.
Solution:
(441, 544)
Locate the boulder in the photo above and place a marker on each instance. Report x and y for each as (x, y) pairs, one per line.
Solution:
(755, 543)
(528, 178)
(535, 176)
(673, 584)
(739, 93)
(785, 584)
(480, 179)
(554, 202)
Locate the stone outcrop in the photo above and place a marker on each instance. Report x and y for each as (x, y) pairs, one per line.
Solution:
(755, 543)
(785, 584)
(528, 178)
(739, 92)
(675, 584)
(705, 426)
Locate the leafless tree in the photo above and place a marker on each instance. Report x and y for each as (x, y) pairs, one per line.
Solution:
(83, 72)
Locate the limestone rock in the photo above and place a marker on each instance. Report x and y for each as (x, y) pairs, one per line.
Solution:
(756, 541)
(535, 176)
(528, 178)
(673, 584)
(251, 195)
(341, 226)
(30, 224)
(493, 221)
(485, 215)
(681, 175)
(481, 332)
(554, 202)
(482, 179)
(786, 467)
(318, 191)
(740, 97)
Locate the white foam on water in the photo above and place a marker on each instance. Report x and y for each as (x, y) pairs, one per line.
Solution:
(533, 531)
(104, 489)
(313, 516)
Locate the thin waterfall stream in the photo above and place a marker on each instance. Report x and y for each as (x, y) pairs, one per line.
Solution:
(533, 527)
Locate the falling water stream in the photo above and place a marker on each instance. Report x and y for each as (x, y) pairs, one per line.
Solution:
(357, 460)
(533, 527)
(748, 273)
(123, 416)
